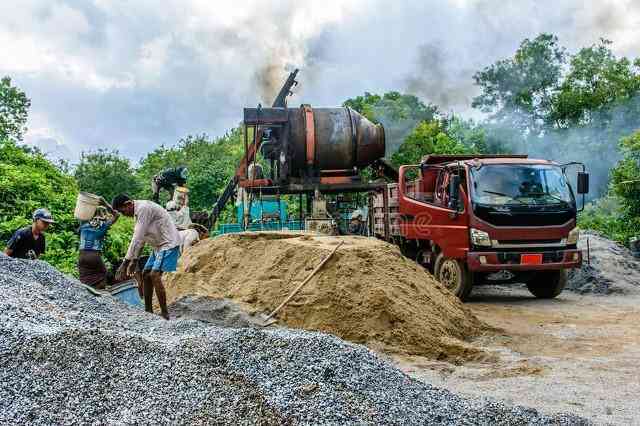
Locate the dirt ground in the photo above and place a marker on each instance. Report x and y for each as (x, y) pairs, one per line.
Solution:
(576, 353)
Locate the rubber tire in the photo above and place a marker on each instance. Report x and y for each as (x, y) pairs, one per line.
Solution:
(465, 278)
(547, 284)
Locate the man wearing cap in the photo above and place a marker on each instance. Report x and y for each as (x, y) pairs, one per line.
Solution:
(29, 242)
(154, 227)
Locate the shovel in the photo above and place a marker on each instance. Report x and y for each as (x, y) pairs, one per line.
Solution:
(268, 319)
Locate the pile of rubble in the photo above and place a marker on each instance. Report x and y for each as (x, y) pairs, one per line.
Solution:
(69, 357)
(608, 267)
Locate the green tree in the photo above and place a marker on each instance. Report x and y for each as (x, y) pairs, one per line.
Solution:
(625, 177)
(429, 137)
(14, 107)
(472, 135)
(617, 215)
(596, 79)
(364, 104)
(29, 181)
(520, 90)
(106, 173)
(393, 106)
(398, 113)
(210, 163)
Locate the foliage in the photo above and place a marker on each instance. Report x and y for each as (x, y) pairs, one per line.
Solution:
(596, 79)
(625, 177)
(607, 217)
(14, 106)
(471, 135)
(565, 107)
(106, 173)
(520, 89)
(427, 138)
(618, 215)
(393, 105)
(210, 163)
(29, 181)
(398, 113)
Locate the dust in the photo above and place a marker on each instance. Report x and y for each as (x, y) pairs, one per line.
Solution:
(367, 293)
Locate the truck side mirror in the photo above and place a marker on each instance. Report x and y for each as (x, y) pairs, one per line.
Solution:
(583, 183)
(454, 192)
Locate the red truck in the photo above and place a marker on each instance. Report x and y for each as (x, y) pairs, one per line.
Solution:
(481, 219)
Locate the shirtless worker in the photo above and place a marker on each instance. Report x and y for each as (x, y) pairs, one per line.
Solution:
(154, 227)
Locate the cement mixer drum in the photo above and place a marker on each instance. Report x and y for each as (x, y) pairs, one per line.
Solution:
(341, 139)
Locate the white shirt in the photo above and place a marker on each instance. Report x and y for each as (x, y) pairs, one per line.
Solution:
(180, 216)
(154, 227)
(189, 237)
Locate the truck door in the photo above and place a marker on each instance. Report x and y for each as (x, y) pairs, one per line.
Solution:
(429, 217)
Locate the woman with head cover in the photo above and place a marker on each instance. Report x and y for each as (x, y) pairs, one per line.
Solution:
(92, 270)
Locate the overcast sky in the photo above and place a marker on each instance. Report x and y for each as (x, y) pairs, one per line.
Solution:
(133, 75)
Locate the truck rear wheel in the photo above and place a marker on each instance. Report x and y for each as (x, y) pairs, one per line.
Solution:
(454, 275)
(547, 284)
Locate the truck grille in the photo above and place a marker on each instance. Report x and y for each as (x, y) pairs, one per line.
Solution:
(523, 216)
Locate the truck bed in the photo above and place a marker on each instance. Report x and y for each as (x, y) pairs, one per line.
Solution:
(378, 217)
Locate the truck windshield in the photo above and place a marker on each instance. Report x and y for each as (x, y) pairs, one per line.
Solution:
(520, 184)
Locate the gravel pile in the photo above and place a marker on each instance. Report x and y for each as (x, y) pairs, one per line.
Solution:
(220, 312)
(68, 357)
(610, 269)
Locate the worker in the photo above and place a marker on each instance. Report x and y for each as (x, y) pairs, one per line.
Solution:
(29, 242)
(91, 267)
(356, 224)
(168, 180)
(178, 208)
(153, 226)
(193, 235)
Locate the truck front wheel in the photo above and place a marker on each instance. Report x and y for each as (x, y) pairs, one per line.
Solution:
(547, 284)
(454, 275)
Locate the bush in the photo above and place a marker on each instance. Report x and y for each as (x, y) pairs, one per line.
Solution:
(28, 180)
(608, 217)
(106, 173)
(429, 137)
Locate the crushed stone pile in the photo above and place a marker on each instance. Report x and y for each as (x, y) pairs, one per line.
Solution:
(68, 357)
(222, 312)
(367, 293)
(612, 268)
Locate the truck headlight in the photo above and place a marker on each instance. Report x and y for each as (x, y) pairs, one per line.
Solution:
(480, 238)
(574, 234)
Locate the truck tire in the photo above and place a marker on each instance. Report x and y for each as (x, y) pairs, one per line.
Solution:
(454, 275)
(547, 284)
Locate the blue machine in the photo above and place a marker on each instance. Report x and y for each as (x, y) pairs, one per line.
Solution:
(264, 211)
(266, 215)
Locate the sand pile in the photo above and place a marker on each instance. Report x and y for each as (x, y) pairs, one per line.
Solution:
(367, 293)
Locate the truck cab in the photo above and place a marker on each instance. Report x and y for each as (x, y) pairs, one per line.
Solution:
(480, 219)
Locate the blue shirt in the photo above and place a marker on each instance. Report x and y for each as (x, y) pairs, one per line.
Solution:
(92, 238)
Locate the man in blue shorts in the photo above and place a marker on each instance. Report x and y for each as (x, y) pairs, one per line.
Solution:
(155, 227)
